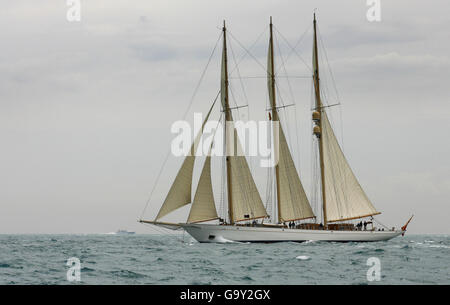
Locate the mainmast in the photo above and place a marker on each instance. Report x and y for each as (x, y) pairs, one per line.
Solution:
(317, 117)
(228, 118)
(274, 112)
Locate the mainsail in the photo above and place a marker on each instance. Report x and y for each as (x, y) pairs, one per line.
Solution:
(180, 192)
(244, 201)
(344, 195)
(293, 203)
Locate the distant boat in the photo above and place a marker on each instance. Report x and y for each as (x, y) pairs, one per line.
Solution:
(124, 232)
(344, 202)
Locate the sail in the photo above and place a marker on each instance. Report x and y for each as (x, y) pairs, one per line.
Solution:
(247, 203)
(344, 195)
(203, 207)
(244, 201)
(180, 192)
(293, 203)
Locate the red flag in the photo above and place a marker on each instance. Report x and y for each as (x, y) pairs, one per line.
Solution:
(406, 225)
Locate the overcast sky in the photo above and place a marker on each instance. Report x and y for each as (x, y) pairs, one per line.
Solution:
(86, 107)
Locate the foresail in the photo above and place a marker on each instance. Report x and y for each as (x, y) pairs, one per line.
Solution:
(344, 195)
(294, 204)
(203, 207)
(180, 192)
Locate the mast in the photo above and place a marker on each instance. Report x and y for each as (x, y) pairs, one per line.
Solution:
(319, 110)
(274, 112)
(228, 118)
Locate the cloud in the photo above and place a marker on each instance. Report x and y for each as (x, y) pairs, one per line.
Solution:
(86, 107)
(395, 64)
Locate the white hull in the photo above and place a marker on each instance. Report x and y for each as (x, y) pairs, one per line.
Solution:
(207, 233)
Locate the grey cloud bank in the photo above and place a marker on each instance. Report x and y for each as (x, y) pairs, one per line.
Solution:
(86, 108)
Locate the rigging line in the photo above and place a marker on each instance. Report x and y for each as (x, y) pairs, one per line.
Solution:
(329, 66)
(246, 50)
(334, 86)
(235, 101)
(213, 143)
(342, 177)
(293, 76)
(378, 222)
(224, 213)
(278, 76)
(293, 50)
(202, 76)
(239, 74)
(161, 170)
(253, 44)
(285, 112)
(293, 208)
(293, 100)
(162, 231)
(300, 40)
(245, 96)
(184, 117)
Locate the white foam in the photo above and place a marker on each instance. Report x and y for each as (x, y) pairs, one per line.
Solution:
(439, 246)
(220, 239)
(303, 257)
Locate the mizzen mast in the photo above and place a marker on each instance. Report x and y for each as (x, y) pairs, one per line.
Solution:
(317, 114)
(274, 112)
(228, 118)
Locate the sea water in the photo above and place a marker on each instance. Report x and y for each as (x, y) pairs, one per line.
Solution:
(169, 259)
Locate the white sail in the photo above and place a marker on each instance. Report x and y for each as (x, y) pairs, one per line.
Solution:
(203, 207)
(344, 195)
(247, 203)
(244, 199)
(293, 202)
(180, 192)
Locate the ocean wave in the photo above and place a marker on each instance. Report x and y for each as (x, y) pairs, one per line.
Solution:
(148, 259)
(303, 258)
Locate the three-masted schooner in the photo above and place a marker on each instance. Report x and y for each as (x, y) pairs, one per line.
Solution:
(343, 199)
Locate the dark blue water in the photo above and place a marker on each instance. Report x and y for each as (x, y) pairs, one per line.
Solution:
(158, 259)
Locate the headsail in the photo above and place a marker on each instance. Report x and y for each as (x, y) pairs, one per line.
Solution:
(345, 197)
(293, 203)
(203, 207)
(180, 192)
